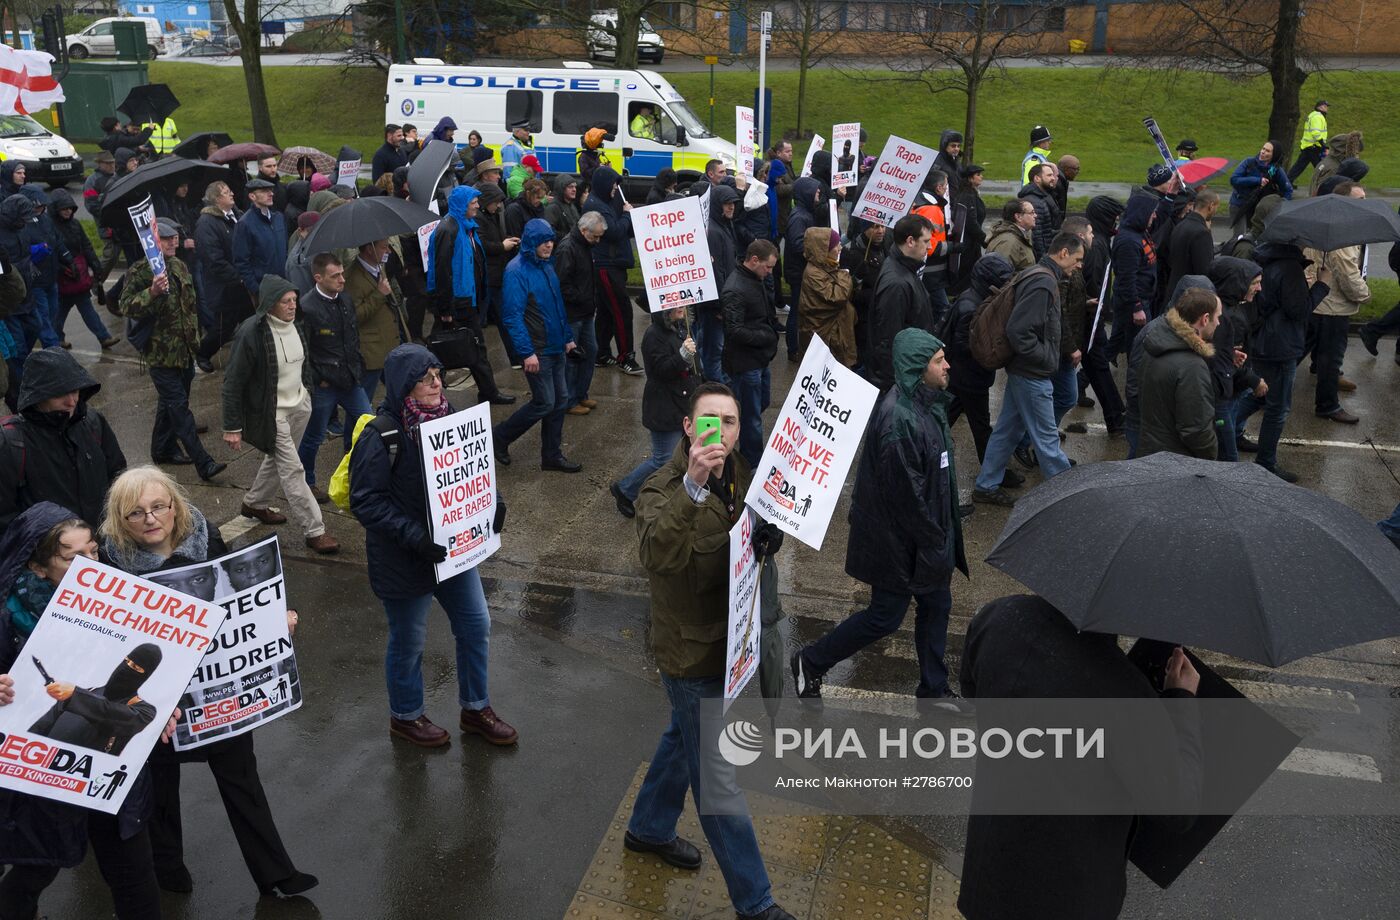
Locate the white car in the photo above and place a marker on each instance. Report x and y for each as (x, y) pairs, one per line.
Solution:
(601, 43)
(47, 157)
(98, 40)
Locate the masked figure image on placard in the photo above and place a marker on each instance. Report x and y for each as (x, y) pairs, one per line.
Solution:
(102, 718)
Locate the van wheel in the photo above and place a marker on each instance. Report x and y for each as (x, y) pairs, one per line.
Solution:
(78, 52)
(153, 51)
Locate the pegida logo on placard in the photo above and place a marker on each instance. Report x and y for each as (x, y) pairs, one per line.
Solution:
(39, 761)
(741, 743)
(785, 493)
(468, 539)
(212, 715)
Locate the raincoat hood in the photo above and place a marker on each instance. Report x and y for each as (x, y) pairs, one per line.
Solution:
(1265, 253)
(720, 195)
(949, 136)
(444, 124)
(35, 194)
(1352, 168)
(911, 352)
(1346, 145)
(821, 167)
(403, 368)
(7, 170)
(271, 290)
(805, 192)
(319, 200)
(1232, 276)
(537, 232)
(991, 271)
(458, 202)
(1186, 283)
(50, 372)
(60, 200)
(1138, 211)
(816, 246)
(605, 180)
(299, 193)
(561, 182)
(22, 536)
(16, 211)
(1103, 213)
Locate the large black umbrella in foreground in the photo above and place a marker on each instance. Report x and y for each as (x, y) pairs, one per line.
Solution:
(149, 102)
(197, 147)
(163, 174)
(426, 171)
(366, 220)
(1330, 222)
(1224, 556)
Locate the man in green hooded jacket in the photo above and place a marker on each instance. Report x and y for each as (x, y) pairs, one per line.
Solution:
(906, 536)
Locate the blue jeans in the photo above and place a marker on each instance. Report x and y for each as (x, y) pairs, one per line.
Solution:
(464, 603)
(1066, 388)
(324, 399)
(1276, 405)
(709, 339)
(1027, 405)
(663, 444)
(46, 310)
(370, 382)
(86, 310)
(1226, 434)
(549, 398)
(174, 424)
(753, 389)
(882, 618)
(676, 767)
(24, 330)
(1391, 527)
(579, 374)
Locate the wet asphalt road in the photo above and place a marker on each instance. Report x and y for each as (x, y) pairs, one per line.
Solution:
(477, 832)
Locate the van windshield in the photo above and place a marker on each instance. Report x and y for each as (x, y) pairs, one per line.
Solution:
(20, 126)
(683, 115)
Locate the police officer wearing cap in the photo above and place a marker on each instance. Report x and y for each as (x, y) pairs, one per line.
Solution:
(1185, 151)
(515, 149)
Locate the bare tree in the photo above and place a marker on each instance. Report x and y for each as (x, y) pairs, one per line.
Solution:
(247, 25)
(809, 28)
(960, 48)
(1242, 38)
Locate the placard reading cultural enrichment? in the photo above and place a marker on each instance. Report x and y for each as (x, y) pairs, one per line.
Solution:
(101, 673)
(743, 141)
(249, 675)
(459, 466)
(425, 238)
(742, 649)
(845, 154)
(798, 480)
(891, 191)
(675, 254)
(143, 219)
(347, 173)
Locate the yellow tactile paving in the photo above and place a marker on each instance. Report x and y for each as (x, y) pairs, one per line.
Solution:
(823, 867)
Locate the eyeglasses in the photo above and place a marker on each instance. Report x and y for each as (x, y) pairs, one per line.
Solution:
(430, 377)
(139, 515)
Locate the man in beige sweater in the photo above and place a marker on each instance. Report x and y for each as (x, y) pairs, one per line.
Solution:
(1331, 318)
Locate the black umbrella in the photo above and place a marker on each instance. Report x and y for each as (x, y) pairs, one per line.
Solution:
(1330, 222)
(1224, 556)
(197, 147)
(165, 173)
(149, 102)
(366, 220)
(426, 171)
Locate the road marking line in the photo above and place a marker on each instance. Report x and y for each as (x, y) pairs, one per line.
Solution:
(1332, 763)
(236, 528)
(1301, 442)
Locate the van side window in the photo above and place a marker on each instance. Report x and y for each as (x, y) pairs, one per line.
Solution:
(575, 113)
(525, 104)
(649, 121)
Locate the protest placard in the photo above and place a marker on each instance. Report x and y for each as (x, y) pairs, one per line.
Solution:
(743, 141)
(143, 219)
(347, 172)
(102, 672)
(1099, 307)
(798, 480)
(891, 191)
(741, 650)
(704, 199)
(675, 254)
(818, 143)
(249, 674)
(832, 215)
(845, 154)
(459, 466)
(425, 238)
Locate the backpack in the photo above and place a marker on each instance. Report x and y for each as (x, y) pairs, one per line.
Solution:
(987, 334)
(12, 437)
(340, 479)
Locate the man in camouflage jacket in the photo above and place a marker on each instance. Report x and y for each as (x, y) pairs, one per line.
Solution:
(165, 327)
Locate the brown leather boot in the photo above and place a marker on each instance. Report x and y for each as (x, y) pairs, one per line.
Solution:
(325, 544)
(485, 723)
(266, 515)
(420, 731)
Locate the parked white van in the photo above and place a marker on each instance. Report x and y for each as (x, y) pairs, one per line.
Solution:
(98, 40)
(47, 157)
(560, 104)
(601, 42)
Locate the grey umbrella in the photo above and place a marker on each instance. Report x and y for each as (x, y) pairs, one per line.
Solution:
(1331, 222)
(366, 220)
(1224, 556)
(426, 171)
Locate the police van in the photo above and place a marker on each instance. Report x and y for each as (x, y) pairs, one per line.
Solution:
(560, 104)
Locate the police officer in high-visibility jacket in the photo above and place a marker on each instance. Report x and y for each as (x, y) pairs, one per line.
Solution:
(1041, 142)
(1313, 147)
(165, 137)
(938, 211)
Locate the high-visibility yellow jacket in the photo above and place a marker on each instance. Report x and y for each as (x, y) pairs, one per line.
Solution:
(1036, 155)
(1314, 131)
(165, 137)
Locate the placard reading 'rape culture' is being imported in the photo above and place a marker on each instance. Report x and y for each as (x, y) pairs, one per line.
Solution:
(818, 432)
(674, 254)
(890, 192)
(95, 684)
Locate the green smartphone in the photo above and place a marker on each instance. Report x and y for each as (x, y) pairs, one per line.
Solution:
(707, 429)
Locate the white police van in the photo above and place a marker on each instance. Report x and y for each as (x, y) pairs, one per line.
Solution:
(560, 104)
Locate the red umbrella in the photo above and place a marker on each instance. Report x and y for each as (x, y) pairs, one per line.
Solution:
(1203, 169)
(235, 153)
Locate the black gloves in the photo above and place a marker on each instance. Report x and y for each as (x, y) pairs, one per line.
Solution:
(498, 523)
(433, 552)
(767, 539)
